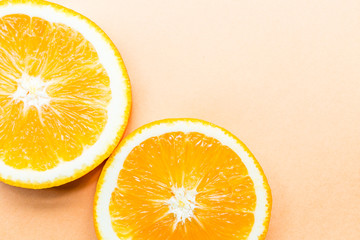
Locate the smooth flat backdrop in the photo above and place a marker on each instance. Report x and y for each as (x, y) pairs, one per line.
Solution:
(282, 75)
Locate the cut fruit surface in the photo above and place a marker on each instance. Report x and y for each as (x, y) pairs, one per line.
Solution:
(182, 179)
(64, 94)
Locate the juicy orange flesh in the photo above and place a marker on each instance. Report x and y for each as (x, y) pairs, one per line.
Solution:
(40, 138)
(225, 199)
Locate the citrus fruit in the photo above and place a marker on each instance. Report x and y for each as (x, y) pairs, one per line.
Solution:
(64, 94)
(182, 179)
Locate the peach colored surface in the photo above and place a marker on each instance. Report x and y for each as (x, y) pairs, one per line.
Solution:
(284, 76)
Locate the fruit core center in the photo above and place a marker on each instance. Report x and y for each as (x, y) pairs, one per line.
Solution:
(32, 91)
(182, 204)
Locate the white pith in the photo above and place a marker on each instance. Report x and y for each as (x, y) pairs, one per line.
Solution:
(182, 204)
(116, 108)
(31, 91)
(110, 176)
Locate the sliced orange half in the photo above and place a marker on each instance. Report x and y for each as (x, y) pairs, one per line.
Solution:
(64, 94)
(182, 179)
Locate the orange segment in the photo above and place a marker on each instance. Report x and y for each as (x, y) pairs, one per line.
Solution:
(225, 195)
(180, 185)
(75, 81)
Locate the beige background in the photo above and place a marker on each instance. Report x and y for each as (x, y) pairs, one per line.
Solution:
(283, 76)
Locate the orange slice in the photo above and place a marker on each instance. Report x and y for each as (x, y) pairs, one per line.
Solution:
(64, 94)
(182, 179)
